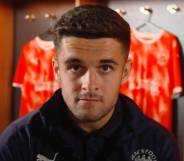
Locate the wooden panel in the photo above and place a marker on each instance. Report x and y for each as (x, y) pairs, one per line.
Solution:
(6, 41)
(82, 2)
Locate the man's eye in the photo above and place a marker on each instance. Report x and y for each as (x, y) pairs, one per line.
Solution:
(75, 68)
(106, 68)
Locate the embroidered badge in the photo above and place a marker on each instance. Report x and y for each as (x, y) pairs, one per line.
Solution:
(143, 155)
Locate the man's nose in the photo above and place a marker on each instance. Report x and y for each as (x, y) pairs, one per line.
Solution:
(90, 81)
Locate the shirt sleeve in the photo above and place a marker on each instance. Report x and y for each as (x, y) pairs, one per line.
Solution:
(176, 69)
(13, 145)
(20, 69)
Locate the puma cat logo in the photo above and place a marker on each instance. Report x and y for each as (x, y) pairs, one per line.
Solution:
(41, 157)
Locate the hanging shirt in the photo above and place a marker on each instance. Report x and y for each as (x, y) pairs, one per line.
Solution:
(155, 76)
(34, 74)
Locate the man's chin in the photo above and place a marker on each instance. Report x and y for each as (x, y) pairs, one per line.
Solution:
(88, 118)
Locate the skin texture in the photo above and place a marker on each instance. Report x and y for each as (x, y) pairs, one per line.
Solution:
(91, 72)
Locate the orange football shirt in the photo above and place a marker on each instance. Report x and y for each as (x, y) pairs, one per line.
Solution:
(156, 76)
(34, 74)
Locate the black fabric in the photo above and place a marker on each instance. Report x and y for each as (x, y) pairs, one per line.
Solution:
(93, 144)
(50, 134)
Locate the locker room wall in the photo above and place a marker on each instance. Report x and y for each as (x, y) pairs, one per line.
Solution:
(25, 31)
(6, 41)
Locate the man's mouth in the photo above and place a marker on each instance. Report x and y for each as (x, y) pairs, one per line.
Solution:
(89, 99)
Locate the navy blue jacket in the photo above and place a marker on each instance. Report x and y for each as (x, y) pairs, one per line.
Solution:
(48, 134)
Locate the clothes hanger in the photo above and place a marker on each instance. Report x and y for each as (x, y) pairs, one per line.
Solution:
(148, 25)
(48, 35)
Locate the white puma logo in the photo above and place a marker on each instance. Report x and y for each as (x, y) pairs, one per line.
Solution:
(41, 157)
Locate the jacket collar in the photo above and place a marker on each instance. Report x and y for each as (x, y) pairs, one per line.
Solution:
(127, 115)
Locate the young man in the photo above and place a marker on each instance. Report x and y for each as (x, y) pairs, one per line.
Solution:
(88, 120)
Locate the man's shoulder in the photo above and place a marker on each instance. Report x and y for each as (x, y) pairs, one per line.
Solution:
(21, 126)
(139, 122)
(143, 131)
(35, 123)
(21, 135)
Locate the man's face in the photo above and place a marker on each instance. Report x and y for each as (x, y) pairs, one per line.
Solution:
(91, 72)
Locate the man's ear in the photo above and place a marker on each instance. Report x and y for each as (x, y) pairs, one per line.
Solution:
(56, 70)
(126, 71)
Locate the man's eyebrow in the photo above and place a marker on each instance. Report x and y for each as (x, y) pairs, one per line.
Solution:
(103, 61)
(72, 60)
(109, 61)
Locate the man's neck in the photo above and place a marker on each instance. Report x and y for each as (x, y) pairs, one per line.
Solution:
(90, 126)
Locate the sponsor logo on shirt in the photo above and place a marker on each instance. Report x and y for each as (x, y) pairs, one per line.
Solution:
(148, 85)
(46, 86)
(143, 155)
(41, 157)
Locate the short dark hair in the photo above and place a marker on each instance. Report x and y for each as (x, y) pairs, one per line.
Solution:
(92, 21)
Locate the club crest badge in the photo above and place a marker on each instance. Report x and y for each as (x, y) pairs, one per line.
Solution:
(143, 155)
